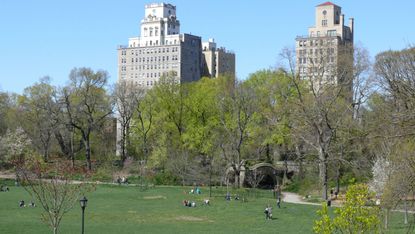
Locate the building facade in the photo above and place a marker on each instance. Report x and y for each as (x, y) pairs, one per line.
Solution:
(160, 50)
(217, 61)
(325, 55)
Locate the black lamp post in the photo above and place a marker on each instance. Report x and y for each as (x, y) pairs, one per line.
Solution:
(83, 202)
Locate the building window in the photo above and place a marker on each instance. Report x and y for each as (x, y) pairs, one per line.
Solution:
(156, 31)
(324, 22)
(151, 32)
(331, 33)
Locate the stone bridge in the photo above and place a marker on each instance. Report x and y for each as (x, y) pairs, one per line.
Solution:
(263, 175)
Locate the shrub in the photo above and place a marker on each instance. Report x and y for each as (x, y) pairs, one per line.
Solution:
(353, 217)
(165, 178)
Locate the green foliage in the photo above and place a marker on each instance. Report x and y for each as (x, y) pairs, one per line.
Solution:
(165, 178)
(353, 217)
(325, 224)
(302, 186)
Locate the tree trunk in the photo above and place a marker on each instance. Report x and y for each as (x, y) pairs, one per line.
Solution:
(323, 173)
(338, 179)
(210, 178)
(386, 218)
(127, 139)
(45, 155)
(406, 211)
(55, 225)
(300, 163)
(237, 177)
(88, 153)
(72, 154)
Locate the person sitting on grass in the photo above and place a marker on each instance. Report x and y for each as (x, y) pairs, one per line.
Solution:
(4, 188)
(21, 204)
(206, 202)
(124, 180)
(32, 204)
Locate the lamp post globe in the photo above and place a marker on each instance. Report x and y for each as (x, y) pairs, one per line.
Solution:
(83, 202)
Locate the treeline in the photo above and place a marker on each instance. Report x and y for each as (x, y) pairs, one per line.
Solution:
(359, 128)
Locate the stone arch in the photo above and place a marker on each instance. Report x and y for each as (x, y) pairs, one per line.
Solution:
(268, 175)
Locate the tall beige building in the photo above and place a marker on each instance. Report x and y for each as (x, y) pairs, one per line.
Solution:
(325, 55)
(217, 61)
(160, 50)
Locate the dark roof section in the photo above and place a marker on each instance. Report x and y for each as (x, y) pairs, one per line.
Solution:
(327, 4)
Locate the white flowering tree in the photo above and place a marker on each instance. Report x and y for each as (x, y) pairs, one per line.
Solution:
(16, 145)
(381, 171)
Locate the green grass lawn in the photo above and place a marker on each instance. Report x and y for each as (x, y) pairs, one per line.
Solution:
(122, 209)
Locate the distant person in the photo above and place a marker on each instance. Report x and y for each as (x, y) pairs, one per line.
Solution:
(124, 180)
(206, 202)
(198, 190)
(236, 197)
(193, 204)
(268, 212)
(21, 204)
(228, 196)
(278, 195)
(32, 204)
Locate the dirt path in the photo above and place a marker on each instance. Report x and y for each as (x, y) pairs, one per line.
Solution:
(7, 175)
(295, 198)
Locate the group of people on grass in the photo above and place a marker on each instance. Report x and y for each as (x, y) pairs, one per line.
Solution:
(196, 190)
(188, 203)
(22, 204)
(4, 188)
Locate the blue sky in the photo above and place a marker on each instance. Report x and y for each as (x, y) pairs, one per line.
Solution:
(50, 37)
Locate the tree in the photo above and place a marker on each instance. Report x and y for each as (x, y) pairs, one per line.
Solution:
(203, 122)
(52, 187)
(353, 217)
(143, 123)
(171, 120)
(4, 109)
(237, 108)
(17, 145)
(127, 97)
(394, 108)
(321, 104)
(86, 104)
(38, 114)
